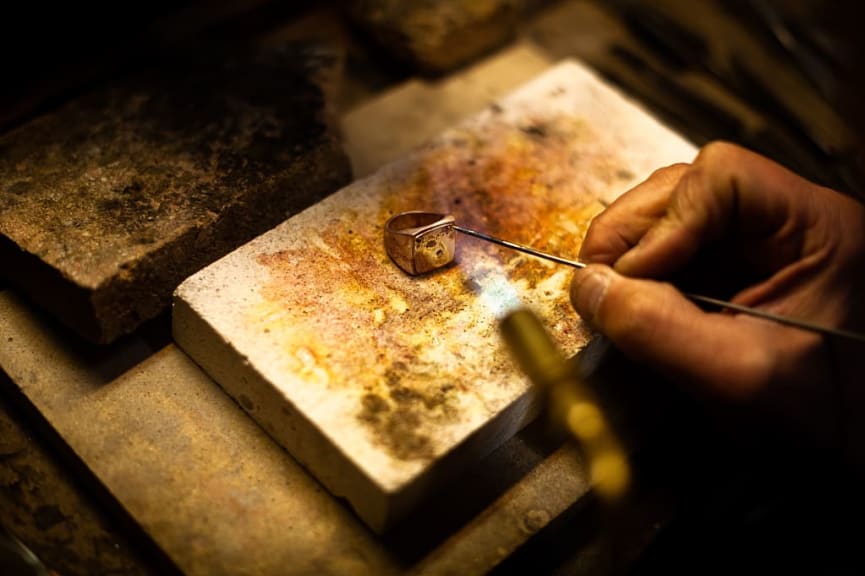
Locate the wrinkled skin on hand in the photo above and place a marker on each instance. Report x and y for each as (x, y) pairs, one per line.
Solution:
(765, 237)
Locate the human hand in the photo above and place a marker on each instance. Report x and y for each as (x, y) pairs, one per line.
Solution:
(781, 243)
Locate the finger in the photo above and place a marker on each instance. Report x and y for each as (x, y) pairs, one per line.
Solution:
(618, 228)
(726, 187)
(653, 323)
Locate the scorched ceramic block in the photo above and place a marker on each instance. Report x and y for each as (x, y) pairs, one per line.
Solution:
(383, 384)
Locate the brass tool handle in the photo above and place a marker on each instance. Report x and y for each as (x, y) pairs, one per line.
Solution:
(572, 404)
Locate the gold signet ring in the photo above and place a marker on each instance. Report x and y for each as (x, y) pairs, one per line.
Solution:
(420, 242)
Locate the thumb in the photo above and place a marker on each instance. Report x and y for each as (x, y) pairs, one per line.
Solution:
(655, 324)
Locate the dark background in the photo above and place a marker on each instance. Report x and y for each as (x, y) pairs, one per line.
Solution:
(701, 66)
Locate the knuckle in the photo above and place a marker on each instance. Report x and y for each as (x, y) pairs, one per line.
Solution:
(717, 151)
(706, 195)
(718, 163)
(690, 197)
(671, 173)
(599, 224)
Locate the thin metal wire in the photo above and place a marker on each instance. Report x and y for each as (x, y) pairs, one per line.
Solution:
(786, 320)
(519, 247)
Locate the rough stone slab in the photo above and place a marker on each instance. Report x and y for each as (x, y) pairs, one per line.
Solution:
(108, 203)
(383, 385)
(436, 36)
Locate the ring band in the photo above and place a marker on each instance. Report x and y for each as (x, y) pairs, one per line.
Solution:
(420, 242)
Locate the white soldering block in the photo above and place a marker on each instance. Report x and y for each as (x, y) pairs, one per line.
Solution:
(384, 386)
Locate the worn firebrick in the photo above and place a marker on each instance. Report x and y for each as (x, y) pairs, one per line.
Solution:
(109, 202)
(385, 385)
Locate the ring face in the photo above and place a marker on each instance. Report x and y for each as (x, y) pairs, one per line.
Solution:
(420, 242)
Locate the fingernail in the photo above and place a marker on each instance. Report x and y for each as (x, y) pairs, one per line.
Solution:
(588, 289)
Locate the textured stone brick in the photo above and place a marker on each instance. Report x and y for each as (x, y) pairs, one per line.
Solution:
(438, 35)
(109, 202)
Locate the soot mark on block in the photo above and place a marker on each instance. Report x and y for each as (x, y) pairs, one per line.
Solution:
(400, 413)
